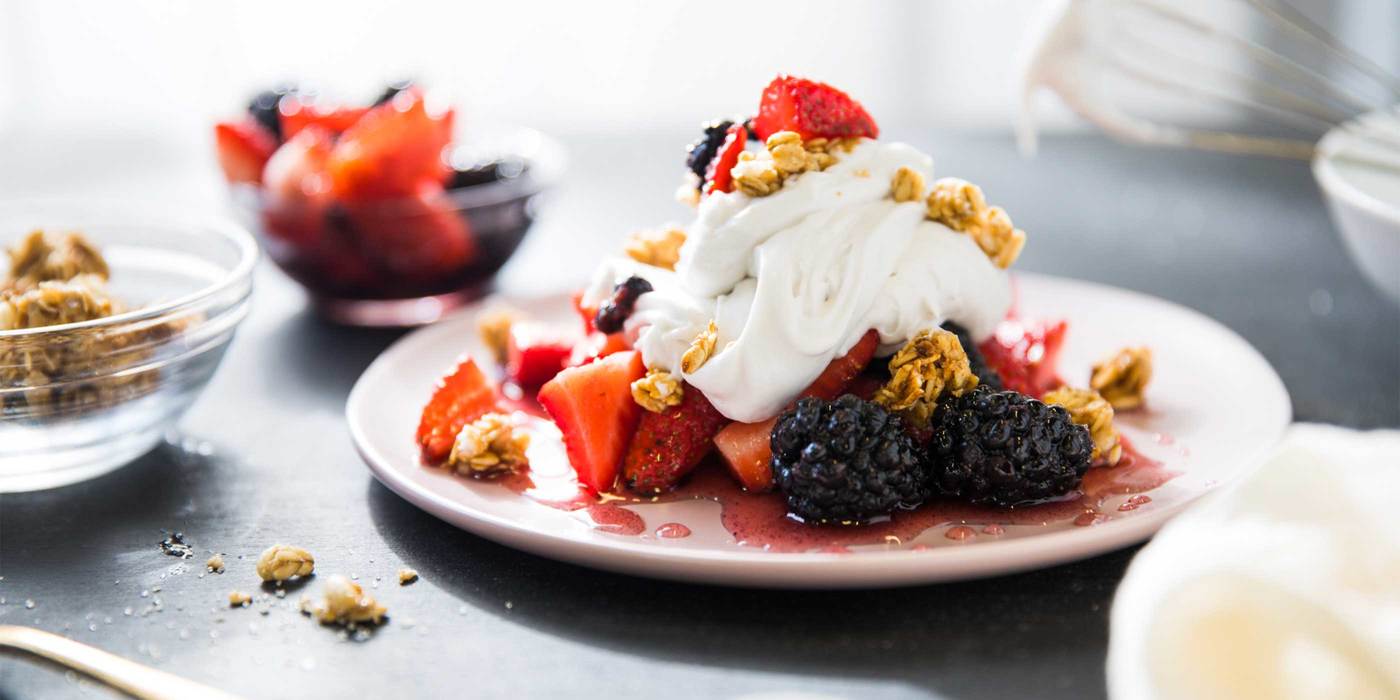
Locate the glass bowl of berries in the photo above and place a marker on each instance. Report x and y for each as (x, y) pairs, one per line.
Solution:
(112, 321)
(387, 213)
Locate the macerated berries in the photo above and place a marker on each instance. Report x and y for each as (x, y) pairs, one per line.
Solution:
(264, 108)
(614, 312)
(699, 154)
(1004, 448)
(845, 461)
(986, 376)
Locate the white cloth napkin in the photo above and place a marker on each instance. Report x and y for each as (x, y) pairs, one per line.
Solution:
(1286, 585)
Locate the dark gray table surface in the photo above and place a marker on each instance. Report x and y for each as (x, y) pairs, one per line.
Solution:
(265, 457)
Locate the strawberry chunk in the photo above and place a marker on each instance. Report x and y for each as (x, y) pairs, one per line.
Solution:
(461, 397)
(745, 446)
(421, 236)
(811, 109)
(295, 116)
(594, 409)
(244, 147)
(536, 352)
(294, 191)
(597, 345)
(585, 313)
(668, 445)
(391, 150)
(719, 174)
(1024, 354)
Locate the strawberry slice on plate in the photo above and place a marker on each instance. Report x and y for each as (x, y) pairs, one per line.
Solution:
(745, 446)
(1024, 355)
(535, 352)
(594, 409)
(244, 147)
(391, 150)
(668, 445)
(460, 398)
(811, 109)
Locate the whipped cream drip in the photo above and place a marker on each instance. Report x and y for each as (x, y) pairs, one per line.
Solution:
(793, 281)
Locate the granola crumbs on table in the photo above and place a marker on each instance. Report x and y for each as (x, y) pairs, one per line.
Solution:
(407, 576)
(656, 248)
(281, 562)
(961, 206)
(700, 349)
(1092, 411)
(344, 602)
(215, 564)
(488, 446)
(494, 329)
(239, 599)
(657, 391)
(1122, 378)
(933, 363)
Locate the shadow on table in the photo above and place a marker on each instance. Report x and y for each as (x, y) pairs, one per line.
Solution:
(954, 639)
(326, 359)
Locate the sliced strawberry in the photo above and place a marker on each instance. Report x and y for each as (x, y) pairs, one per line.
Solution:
(422, 236)
(295, 116)
(294, 188)
(594, 409)
(391, 150)
(719, 173)
(461, 397)
(536, 352)
(670, 444)
(244, 148)
(596, 346)
(811, 109)
(745, 447)
(1024, 354)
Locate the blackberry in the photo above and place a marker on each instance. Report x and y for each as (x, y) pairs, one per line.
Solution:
(615, 311)
(700, 153)
(845, 461)
(986, 376)
(1005, 448)
(263, 108)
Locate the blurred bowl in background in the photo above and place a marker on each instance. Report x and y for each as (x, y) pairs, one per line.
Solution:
(1358, 168)
(80, 399)
(408, 261)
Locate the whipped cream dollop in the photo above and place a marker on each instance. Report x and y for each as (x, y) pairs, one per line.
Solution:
(793, 280)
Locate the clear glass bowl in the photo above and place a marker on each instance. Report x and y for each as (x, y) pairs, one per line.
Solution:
(108, 389)
(406, 262)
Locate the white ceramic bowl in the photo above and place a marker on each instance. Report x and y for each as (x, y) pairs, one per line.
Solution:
(1360, 177)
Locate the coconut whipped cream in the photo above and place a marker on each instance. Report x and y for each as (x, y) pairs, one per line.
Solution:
(794, 279)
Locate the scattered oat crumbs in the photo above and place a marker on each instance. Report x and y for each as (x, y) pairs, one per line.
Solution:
(281, 562)
(215, 564)
(345, 603)
(239, 599)
(407, 576)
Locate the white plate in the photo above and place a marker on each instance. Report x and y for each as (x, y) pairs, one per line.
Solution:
(1215, 408)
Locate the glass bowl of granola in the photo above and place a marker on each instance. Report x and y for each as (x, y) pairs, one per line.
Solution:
(111, 323)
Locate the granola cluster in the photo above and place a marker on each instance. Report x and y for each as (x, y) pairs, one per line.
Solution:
(761, 173)
(53, 302)
(700, 349)
(931, 364)
(961, 206)
(657, 391)
(1092, 411)
(656, 248)
(1122, 378)
(282, 561)
(494, 329)
(35, 259)
(344, 602)
(907, 185)
(489, 446)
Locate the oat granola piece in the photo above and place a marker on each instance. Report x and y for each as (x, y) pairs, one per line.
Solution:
(700, 349)
(489, 446)
(215, 564)
(281, 562)
(932, 364)
(494, 329)
(53, 302)
(657, 391)
(1122, 378)
(35, 259)
(961, 206)
(787, 152)
(907, 185)
(239, 599)
(1092, 411)
(657, 248)
(344, 602)
(757, 177)
(407, 576)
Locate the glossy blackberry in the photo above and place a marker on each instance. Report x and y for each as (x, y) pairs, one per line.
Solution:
(263, 108)
(986, 376)
(1005, 448)
(700, 153)
(845, 461)
(614, 312)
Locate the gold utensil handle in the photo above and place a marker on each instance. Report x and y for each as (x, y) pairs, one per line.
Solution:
(128, 676)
